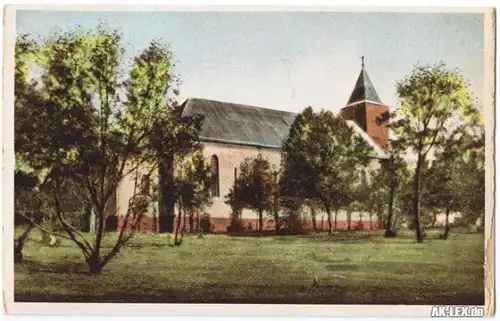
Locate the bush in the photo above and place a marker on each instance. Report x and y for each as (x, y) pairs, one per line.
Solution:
(205, 224)
(236, 226)
(359, 226)
(291, 225)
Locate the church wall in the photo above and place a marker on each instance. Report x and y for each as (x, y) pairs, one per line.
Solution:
(125, 191)
(229, 158)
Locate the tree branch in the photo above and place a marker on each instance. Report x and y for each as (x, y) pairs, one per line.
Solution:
(85, 247)
(438, 129)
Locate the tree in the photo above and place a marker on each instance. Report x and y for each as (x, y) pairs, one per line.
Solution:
(293, 210)
(434, 100)
(370, 196)
(25, 181)
(235, 199)
(193, 181)
(254, 186)
(36, 121)
(320, 160)
(102, 127)
(455, 181)
(25, 184)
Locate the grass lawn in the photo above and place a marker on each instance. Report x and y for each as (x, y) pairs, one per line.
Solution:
(352, 268)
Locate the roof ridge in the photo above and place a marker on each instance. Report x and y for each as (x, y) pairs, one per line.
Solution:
(244, 106)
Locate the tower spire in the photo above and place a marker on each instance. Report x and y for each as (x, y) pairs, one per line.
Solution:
(365, 108)
(363, 89)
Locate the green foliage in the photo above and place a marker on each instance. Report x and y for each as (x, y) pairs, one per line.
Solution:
(436, 109)
(321, 159)
(372, 194)
(96, 126)
(255, 187)
(434, 101)
(193, 181)
(455, 181)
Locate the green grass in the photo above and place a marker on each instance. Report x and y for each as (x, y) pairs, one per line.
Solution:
(352, 268)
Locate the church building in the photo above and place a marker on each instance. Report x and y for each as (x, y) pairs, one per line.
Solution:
(232, 132)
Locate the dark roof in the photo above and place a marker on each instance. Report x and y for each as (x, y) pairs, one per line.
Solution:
(249, 125)
(240, 124)
(363, 90)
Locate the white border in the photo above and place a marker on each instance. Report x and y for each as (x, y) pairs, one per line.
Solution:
(234, 310)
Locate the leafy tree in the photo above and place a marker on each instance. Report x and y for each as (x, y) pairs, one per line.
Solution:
(320, 160)
(235, 199)
(100, 127)
(193, 181)
(434, 100)
(455, 181)
(26, 203)
(255, 187)
(293, 212)
(34, 125)
(370, 196)
(25, 181)
(173, 137)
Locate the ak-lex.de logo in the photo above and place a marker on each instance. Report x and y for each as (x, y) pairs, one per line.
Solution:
(459, 311)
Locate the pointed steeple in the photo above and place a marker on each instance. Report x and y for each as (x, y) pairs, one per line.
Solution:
(367, 110)
(364, 89)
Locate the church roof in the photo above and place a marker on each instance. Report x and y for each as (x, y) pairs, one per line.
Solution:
(363, 90)
(239, 124)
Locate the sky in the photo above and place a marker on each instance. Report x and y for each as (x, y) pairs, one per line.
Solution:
(288, 60)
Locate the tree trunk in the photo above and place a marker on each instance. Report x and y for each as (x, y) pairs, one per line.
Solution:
(336, 214)
(447, 225)
(416, 200)
(191, 222)
(434, 219)
(388, 228)
(261, 221)
(94, 264)
(167, 195)
(18, 248)
(313, 217)
(178, 241)
(329, 216)
(371, 221)
(184, 227)
(348, 220)
(198, 221)
(276, 221)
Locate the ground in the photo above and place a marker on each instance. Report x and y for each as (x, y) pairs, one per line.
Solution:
(351, 268)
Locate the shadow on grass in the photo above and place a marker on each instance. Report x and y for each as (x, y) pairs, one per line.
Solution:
(346, 236)
(337, 237)
(53, 267)
(266, 294)
(146, 245)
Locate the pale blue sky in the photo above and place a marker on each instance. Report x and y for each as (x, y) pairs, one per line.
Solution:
(289, 60)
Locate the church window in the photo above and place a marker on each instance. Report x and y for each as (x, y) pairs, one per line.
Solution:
(214, 166)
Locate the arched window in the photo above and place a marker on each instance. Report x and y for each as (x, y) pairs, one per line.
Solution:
(214, 166)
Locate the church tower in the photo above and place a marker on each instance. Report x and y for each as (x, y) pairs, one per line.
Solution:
(365, 109)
